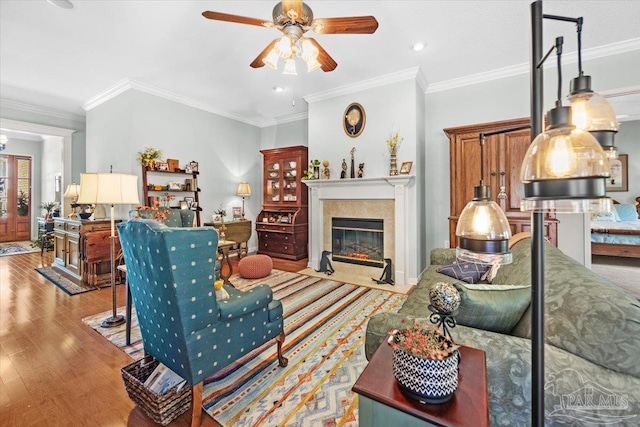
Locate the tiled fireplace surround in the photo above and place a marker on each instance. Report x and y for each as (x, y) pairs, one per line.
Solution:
(380, 198)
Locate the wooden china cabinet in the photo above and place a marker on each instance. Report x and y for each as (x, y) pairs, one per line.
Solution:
(503, 155)
(282, 225)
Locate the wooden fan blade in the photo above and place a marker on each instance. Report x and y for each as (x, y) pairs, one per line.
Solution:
(233, 18)
(288, 5)
(345, 25)
(257, 63)
(326, 61)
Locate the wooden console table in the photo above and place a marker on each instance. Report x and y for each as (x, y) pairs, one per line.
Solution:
(382, 404)
(71, 252)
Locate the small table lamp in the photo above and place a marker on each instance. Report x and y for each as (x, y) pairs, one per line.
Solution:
(111, 189)
(73, 191)
(244, 191)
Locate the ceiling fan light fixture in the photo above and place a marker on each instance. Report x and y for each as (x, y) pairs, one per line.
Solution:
(290, 67)
(417, 47)
(313, 64)
(309, 51)
(271, 60)
(283, 47)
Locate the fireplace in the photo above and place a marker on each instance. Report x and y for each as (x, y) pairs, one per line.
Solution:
(358, 241)
(370, 198)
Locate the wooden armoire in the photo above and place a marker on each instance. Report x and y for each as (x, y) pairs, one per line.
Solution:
(503, 155)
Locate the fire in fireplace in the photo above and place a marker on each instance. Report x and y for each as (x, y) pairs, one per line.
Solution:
(358, 241)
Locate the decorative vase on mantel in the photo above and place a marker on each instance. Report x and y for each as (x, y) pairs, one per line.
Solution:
(393, 142)
(393, 167)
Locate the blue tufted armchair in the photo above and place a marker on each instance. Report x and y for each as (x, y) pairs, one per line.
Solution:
(171, 274)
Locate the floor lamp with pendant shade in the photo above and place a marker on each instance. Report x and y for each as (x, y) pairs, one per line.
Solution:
(564, 171)
(111, 189)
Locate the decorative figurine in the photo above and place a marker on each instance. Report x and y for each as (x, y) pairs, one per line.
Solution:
(325, 264)
(326, 172)
(343, 174)
(360, 170)
(353, 163)
(387, 274)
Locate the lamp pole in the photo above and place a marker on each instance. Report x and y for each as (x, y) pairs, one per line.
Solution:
(537, 236)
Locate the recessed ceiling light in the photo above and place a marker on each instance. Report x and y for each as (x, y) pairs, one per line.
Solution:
(417, 47)
(63, 4)
(278, 89)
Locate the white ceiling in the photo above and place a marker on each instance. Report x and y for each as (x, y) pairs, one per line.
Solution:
(62, 59)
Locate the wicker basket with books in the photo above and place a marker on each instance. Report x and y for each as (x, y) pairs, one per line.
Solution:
(163, 406)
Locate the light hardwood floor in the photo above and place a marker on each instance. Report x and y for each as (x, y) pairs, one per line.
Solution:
(55, 370)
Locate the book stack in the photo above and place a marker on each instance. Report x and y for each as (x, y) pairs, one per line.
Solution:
(162, 379)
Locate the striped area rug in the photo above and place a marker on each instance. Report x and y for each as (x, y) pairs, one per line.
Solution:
(325, 325)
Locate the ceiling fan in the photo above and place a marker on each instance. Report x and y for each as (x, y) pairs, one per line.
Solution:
(294, 18)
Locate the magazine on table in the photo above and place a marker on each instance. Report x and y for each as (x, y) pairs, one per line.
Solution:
(162, 379)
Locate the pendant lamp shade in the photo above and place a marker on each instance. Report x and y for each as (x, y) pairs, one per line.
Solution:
(565, 169)
(593, 113)
(483, 231)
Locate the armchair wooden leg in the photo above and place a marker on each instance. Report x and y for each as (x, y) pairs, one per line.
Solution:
(196, 405)
(282, 361)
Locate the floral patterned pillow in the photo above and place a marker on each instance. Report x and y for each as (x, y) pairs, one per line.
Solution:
(469, 272)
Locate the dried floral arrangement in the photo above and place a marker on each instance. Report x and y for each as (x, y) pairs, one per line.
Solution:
(422, 340)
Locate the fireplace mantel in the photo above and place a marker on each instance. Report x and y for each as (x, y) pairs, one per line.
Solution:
(376, 188)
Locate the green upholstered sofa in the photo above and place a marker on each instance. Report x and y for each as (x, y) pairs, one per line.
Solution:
(592, 350)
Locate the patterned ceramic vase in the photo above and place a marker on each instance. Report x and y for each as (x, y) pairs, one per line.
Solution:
(426, 380)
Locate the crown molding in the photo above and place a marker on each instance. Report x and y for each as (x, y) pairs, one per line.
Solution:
(291, 118)
(35, 128)
(570, 58)
(399, 76)
(29, 108)
(128, 84)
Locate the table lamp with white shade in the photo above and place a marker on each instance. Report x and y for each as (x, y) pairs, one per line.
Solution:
(111, 189)
(73, 191)
(244, 190)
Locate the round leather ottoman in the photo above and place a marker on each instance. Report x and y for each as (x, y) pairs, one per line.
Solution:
(255, 266)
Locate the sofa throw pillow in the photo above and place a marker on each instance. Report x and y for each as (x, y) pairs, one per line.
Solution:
(496, 308)
(469, 272)
(605, 216)
(626, 212)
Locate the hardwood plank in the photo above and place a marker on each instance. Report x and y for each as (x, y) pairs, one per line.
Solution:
(55, 370)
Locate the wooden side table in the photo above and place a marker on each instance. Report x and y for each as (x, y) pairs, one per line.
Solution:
(238, 231)
(223, 249)
(382, 404)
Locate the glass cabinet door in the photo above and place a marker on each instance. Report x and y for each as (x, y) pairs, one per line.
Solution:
(290, 180)
(273, 182)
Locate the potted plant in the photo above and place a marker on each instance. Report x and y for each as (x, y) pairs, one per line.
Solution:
(23, 203)
(48, 208)
(149, 156)
(425, 363)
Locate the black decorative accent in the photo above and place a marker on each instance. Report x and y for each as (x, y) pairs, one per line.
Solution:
(593, 187)
(484, 246)
(387, 274)
(325, 264)
(443, 320)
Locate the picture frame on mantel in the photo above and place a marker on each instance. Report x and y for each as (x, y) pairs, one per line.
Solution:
(405, 169)
(619, 179)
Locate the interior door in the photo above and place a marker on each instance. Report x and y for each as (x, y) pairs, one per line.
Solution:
(15, 198)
